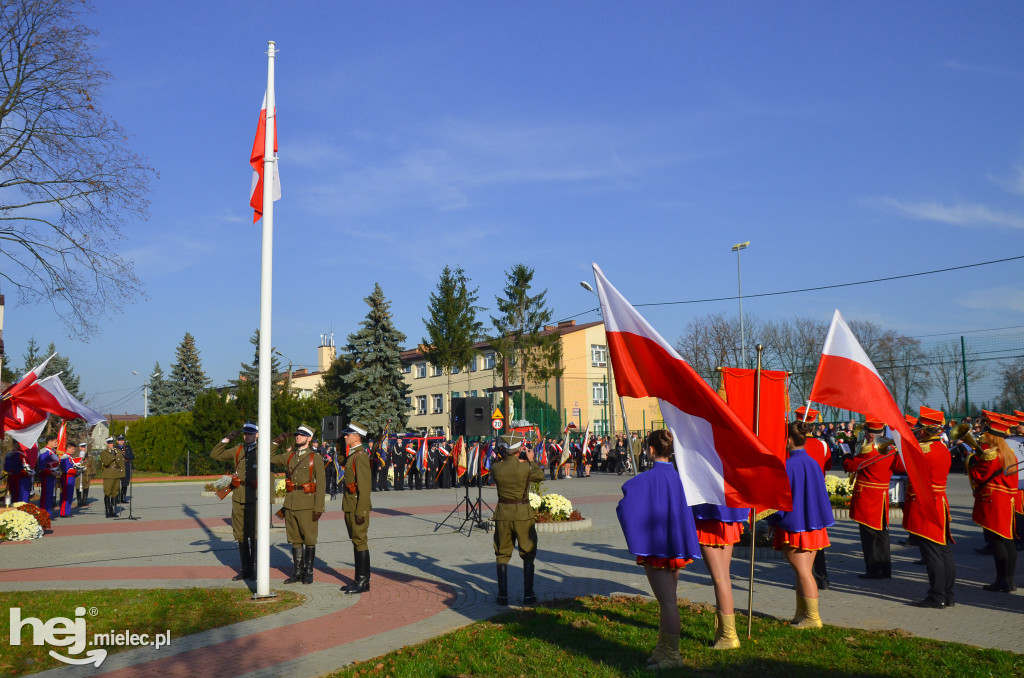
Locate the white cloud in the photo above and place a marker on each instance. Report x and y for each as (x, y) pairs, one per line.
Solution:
(983, 70)
(963, 214)
(996, 298)
(1013, 184)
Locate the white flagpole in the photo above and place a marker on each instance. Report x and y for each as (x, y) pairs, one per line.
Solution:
(266, 288)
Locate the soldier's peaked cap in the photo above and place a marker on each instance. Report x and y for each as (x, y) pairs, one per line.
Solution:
(304, 430)
(250, 427)
(355, 427)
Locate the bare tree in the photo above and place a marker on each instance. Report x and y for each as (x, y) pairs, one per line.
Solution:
(68, 178)
(795, 346)
(714, 341)
(902, 365)
(948, 365)
(1011, 377)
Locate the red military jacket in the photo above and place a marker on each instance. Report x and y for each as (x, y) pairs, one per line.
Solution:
(914, 521)
(995, 494)
(819, 452)
(869, 504)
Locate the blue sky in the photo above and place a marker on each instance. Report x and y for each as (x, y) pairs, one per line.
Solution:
(846, 141)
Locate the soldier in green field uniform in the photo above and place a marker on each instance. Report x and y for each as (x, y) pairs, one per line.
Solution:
(357, 484)
(112, 464)
(243, 496)
(305, 483)
(513, 517)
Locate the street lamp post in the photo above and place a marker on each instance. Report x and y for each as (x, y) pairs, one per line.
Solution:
(289, 368)
(145, 393)
(610, 412)
(739, 284)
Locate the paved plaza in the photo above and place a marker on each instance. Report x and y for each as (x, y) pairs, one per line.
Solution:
(428, 582)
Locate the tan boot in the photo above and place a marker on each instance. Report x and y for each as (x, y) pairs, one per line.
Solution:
(801, 610)
(670, 657)
(659, 649)
(811, 619)
(725, 632)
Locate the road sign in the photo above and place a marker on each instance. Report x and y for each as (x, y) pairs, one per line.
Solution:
(497, 414)
(496, 424)
(575, 411)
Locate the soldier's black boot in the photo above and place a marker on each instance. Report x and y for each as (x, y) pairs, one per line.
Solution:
(529, 598)
(245, 572)
(362, 581)
(309, 556)
(106, 506)
(78, 497)
(298, 567)
(502, 584)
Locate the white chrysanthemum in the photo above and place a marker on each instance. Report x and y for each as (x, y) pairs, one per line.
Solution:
(557, 505)
(279, 487)
(20, 526)
(535, 501)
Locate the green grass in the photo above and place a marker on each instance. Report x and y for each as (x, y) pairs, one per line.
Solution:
(182, 611)
(613, 637)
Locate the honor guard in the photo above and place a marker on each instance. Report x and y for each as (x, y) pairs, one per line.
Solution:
(84, 477)
(995, 496)
(398, 460)
(379, 466)
(933, 540)
(129, 464)
(871, 470)
(243, 493)
(514, 518)
(112, 471)
(356, 503)
(69, 468)
(305, 483)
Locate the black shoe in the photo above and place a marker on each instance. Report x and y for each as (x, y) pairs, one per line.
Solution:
(298, 567)
(822, 585)
(868, 575)
(919, 561)
(362, 580)
(998, 587)
(930, 603)
(985, 550)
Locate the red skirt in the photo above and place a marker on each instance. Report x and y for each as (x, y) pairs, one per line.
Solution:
(659, 563)
(813, 540)
(717, 533)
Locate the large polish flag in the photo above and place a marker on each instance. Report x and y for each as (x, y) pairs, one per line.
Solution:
(848, 380)
(720, 460)
(50, 395)
(256, 160)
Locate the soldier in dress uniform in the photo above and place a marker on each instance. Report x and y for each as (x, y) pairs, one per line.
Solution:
(84, 477)
(112, 471)
(514, 518)
(869, 506)
(398, 461)
(934, 541)
(129, 464)
(379, 466)
(995, 492)
(356, 504)
(411, 462)
(48, 472)
(243, 495)
(305, 482)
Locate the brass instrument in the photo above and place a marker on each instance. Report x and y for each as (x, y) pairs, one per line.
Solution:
(962, 434)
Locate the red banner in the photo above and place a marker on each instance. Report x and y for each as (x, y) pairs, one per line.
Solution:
(743, 396)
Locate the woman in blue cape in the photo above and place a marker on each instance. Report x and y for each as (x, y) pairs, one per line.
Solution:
(800, 533)
(659, 529)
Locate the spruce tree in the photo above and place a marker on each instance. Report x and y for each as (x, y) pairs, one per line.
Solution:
(187, 376)
(519, 332)
(250, 372)
(33, 356)
(452, 327)
(377, 391)
(159, 391)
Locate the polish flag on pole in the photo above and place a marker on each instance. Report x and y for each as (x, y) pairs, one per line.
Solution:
(27, 380)
(848, 380)
(720, 460)
(50, 395)
(256, 160)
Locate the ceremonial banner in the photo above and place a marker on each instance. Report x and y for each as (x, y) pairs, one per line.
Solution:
(742, 390)
(720, 460)
(473, 461)
(847, 379)
(460, 457)
(256, 160)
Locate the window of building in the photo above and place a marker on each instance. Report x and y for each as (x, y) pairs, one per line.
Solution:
(437, 371)
(473, 394)
(406, 368)
(456, 394)
(408, 402)
(489, 361)
(421, 370)
(600, 397)
(472, 364)
(598, 355)
(456, 370)
(437, 403)
(421, 404)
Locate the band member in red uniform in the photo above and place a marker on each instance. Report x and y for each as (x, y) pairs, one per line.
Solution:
(68, 473)
(818, 451)
(933, 541)
(995, 495)
(869, 505)
(48, 469)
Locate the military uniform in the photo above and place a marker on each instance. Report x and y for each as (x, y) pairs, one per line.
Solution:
(84, 477)
(112, 470)
(243, 497)
(514, 518)
(129, 464)
(398, 460)
(303, 504)
(356, 484)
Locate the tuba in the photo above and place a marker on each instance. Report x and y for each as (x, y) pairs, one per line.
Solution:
(962, 434)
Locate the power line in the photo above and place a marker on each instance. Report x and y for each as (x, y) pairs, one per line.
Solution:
(817, 289)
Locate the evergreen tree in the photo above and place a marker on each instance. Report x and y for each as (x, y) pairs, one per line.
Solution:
(452, 327)
(33, 356)
(188, 379)
(159, 392)
(519, 332)
(251, 372)
(62, 365)
(377, 391)
(333, 389)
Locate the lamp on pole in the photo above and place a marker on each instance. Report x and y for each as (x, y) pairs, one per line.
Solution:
(739, 284)
(276, 352)
(610, 404)
(145, 392)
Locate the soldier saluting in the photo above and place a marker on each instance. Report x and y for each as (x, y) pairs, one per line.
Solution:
(305, 482)
(357, 486)
(243, 494)
(514, 518)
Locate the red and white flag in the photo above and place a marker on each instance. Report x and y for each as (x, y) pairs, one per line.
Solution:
(256, 160)
(848, 380)
(30, 378)
(720, 460)
(50, 395)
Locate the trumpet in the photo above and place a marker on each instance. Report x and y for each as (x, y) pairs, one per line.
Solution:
(962, 434)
